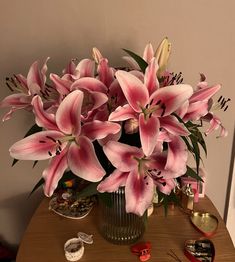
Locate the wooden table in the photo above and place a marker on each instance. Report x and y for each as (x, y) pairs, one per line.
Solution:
(47, 232)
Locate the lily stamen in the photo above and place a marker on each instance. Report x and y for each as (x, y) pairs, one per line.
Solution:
(221, 103)
(9, 87)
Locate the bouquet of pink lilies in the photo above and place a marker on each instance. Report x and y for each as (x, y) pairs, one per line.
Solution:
(142, 119)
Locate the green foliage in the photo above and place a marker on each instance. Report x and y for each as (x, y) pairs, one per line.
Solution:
(193, 141)
(39, 183)
(167, 199)
(35, 163)
(140, 61)
(190, 172)
(90, 190)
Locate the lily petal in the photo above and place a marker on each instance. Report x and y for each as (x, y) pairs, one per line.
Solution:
(106, 74)
(137, 74)
(86, 68)
(16, 100)
(204, 93)
(150, 77)
(196, 110)
(39, 146)
(223, 132)
(166, 185)
(177, 156)
(68, 114)
(99, 129)
(61, 85)
(122, 156)
(70, 68)
(96, 54)
(148, 53)
(149, 129)
(122, 113)
(93, 100)
(157, 161)
(215, 123)
(116, 95)
(113, 181)
(172, 97)
(182, 110)
(34, 79)
(53, 173)
(139, 191)
(173, 126)
(131, 62)
(43, 71)
(83, 162)
(89, 83)
(112, 137)
(43, 118)
(134, 90)
(23, 83)
(8, 115)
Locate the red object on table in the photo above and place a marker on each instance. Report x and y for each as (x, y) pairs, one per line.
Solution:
(142, 250)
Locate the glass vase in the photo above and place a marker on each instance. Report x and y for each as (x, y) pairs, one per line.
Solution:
(117, 226)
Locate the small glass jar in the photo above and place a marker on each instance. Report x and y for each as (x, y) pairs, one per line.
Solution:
(117, 226)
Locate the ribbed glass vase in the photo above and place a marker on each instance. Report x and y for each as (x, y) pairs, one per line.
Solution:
(117, 226)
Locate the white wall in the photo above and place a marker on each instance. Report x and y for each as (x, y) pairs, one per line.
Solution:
(203, 38)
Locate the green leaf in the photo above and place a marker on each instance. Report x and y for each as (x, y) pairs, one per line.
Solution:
(166, 199)
(190, 172)
(34, 129)
(202, 142)
(90, 190)
(39, 183)
(190, 148)
(196, 150)
(68, 176)
(14, 161)
(34, 163)
(140, 61)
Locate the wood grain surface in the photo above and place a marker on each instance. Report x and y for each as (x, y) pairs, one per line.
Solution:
(47, 232)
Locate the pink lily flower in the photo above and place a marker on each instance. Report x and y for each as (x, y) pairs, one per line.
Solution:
(85, 68)
(140, 174)
(199, 103)
(27, 88)
(66, 142)
(215, 123)
(149, 106)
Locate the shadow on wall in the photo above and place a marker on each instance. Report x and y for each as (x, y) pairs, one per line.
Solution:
(16, 217)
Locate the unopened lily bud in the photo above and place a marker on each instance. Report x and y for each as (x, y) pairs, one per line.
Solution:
(131, 126)
(97, 56)
(162, 55)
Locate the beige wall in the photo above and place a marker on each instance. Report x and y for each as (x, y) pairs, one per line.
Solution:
(203, 38)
